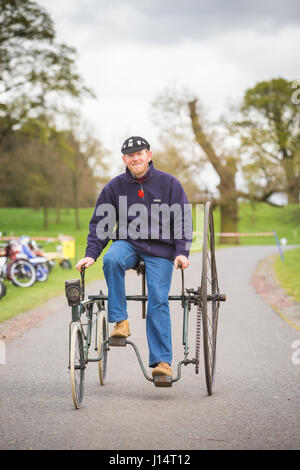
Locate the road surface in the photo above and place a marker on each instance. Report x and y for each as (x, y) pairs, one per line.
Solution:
(256, 399)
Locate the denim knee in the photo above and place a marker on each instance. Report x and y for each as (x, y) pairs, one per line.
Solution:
(112, 259)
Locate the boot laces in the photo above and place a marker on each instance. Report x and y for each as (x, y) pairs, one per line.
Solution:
(119, 325)
(164, 365)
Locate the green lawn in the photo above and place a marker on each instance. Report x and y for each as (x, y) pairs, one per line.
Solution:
(288, 272)
(258, 218)
(30, 222)
(265, 218)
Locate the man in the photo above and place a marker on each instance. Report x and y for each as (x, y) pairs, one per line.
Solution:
(160, 241)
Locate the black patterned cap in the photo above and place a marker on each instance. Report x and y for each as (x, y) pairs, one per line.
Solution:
(135, 144)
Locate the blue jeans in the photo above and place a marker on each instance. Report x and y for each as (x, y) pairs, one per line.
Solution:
(121, 256)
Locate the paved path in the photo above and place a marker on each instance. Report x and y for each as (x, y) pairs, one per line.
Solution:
(256, 400)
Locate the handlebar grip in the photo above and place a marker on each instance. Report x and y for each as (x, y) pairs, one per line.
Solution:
(82, 274)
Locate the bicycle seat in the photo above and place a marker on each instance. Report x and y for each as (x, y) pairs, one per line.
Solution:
(140, 267)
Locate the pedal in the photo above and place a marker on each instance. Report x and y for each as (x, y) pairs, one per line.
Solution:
(116, 341)
(162, 381)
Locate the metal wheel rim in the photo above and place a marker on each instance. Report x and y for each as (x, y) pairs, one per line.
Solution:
(102, 336)
(22, 269)
(209, 286)
(77, 366)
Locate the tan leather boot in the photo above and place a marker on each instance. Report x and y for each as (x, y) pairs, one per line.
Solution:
(121, 329)
(162, 369)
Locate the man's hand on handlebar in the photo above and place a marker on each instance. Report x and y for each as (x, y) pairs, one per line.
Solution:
(181, 261)
(86, 262)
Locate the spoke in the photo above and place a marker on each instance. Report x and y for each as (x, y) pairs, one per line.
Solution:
(209, 260)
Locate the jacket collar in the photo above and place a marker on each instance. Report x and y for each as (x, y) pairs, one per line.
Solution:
(148, 175)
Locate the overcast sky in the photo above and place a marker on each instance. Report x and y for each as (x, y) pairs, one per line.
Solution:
(130, 50)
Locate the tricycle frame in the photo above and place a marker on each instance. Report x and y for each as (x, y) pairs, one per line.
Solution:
(206, 297)
(87, 306)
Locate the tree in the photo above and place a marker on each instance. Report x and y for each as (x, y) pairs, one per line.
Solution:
(226, 166)
(168, 159)
(270, 133)
(36, 74)
(178, 115)
(83, 159)
(34, 69)
(54, 168)
(181, 119)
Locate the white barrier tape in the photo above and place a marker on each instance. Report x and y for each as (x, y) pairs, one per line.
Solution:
(259, 234)
(47, 239)
(234, 234)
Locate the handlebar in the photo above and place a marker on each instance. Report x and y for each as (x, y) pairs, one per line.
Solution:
(82, 275)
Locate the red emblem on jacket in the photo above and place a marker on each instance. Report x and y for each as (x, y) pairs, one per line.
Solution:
(141, 193)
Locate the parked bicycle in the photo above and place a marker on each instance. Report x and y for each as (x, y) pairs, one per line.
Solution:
(21, 249)
(19, 271)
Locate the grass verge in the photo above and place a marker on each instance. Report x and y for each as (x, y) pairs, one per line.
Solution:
(288, 273)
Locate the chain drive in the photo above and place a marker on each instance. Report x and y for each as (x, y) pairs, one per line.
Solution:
(198, 331)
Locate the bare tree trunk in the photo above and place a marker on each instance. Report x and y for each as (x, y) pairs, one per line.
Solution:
(293, 179)
(228, 196)
(294, 193)
(229, 222)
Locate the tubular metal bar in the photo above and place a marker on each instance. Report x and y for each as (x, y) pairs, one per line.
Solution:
(97, 359)
(184, 361)
(91, 300)
(140, 361)
(89, 329)
(180, 363)
(215, 297)
(145, 297)
(142, 298)
(144, 293)
(185, 328)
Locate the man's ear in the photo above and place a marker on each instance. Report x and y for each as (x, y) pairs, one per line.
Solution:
(124, 159)
(149, 153)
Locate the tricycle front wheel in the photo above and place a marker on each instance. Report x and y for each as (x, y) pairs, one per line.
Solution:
(77, 366)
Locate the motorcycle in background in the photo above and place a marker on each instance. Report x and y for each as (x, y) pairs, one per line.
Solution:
(19, 250)
(20, 271)
(40, 263)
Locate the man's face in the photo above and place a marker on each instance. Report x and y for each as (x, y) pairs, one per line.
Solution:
(138, 162)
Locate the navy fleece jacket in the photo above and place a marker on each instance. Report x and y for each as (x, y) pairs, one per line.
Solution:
(146, 226)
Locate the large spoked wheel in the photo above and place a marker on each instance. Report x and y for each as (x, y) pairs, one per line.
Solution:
(22, 273)
(77, 365)
(102, 336)
(209, 308)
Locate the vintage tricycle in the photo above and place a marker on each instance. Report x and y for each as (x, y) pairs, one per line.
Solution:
(205, 297)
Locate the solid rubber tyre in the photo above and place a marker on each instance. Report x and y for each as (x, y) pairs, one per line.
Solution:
(210, 309)
(22, 269)
(102, 335)
(77, 365)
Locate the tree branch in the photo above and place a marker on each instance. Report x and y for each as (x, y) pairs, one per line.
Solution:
(201, 138)
(263, 198)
